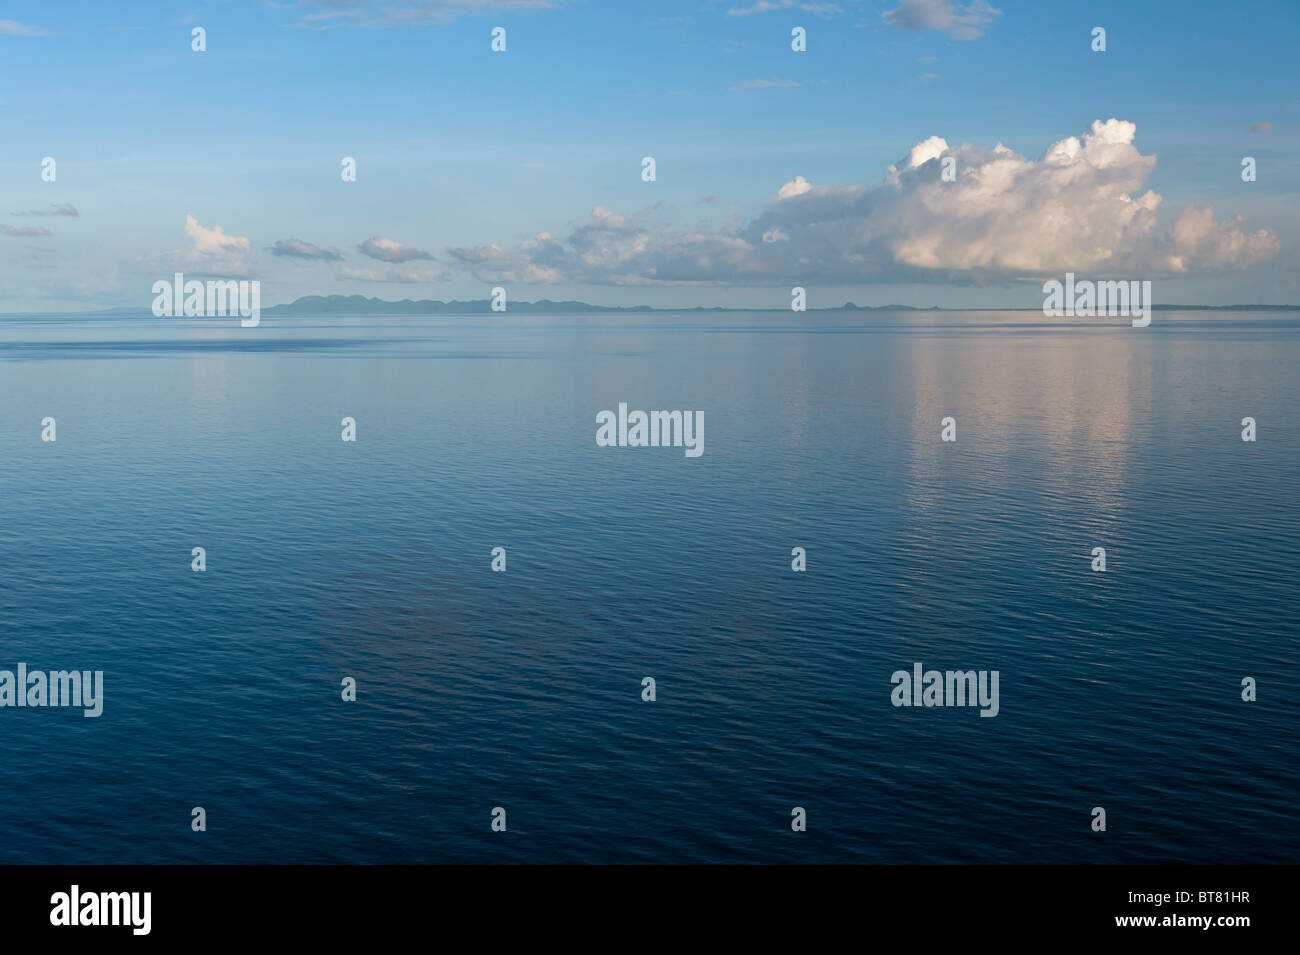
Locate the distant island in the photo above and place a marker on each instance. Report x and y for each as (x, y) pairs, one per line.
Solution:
(320, 305)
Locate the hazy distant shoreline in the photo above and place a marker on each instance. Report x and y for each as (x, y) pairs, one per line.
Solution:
(323, 305)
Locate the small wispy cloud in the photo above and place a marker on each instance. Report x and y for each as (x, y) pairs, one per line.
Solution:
(1260, 127)
(321, 20)
(481, 253)
(386, 250)
(386, 13)
(959, 21)
(764, 6)
(298, 249)
(30, 232)
(763, 84)
(55, 209)
(14, 28)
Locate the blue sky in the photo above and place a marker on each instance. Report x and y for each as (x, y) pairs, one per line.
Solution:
(465, 157)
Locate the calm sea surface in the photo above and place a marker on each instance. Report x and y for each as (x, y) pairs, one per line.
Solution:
(523, 689)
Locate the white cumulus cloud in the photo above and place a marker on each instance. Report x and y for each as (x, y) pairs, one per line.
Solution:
(1082, 207)
(795, 187)
(214, 241)
(211, 250)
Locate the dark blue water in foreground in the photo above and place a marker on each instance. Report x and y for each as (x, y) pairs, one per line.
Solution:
(523, 689)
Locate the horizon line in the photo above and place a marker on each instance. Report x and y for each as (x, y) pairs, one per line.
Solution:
(125, 311)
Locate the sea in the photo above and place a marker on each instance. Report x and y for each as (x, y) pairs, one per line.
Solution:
(1162, 690)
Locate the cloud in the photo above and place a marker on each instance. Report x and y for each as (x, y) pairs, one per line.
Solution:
(763, 6)
(959, 21)
(1199, 239)
(763, 84)
(1080, 207)
(298, 249)
(1260, 127)
(395, 275)
(386, 250)
(211, 250)
(27, 233)
(318, 19)
(379, 13)
(482, 253)
(213, 242)
(796, 187)
(60, 209)
(14, 28)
